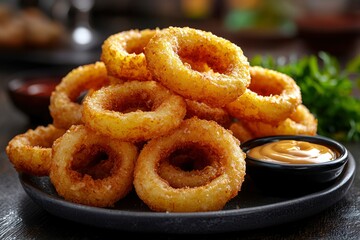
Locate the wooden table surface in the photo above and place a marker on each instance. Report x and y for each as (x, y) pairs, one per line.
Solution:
(21, 218)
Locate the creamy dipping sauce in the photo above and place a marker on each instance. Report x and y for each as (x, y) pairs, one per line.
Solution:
(293, 152)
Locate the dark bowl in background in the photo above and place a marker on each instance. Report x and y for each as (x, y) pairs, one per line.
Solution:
(31, 92)
(292, 179)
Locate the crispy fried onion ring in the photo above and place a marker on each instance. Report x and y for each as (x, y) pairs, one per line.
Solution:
(205, 135)
(30, 152)
(189, 167)
(168, 54)
(241, 131)
(123, 54)
(301, 121)
(133, 111)
(271, 97)
(77, 152)
(64, 106)
(204, 111)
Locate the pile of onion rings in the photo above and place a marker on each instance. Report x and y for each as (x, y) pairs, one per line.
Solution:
(162, 113)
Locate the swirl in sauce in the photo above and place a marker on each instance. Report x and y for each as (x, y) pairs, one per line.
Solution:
(293, 152)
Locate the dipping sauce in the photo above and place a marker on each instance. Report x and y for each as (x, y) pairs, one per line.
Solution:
(292, 152)
(31, 95)
(38, 87)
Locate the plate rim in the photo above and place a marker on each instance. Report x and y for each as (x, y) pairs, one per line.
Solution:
(228, 220)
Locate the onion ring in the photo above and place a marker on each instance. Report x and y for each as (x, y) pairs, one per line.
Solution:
(202, 134)
(167, 53)
(241, 131)
(133, 111)
(81, 144)
(301, 121)
(271, 97)
(64, 108)
(30, 152)
(123, 54)
(204, 111)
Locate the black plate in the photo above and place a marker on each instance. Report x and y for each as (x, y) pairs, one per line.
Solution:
(251, 209)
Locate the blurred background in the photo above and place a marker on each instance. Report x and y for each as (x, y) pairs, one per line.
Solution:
(70, 32)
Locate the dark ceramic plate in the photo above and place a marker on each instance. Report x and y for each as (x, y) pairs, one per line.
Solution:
(251, 209)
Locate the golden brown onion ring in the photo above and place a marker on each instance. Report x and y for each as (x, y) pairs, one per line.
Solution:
(81, 144)
(271, 97)
(241, 131)
(167, 54)
(197, 133)
(133, 111)
(204, 111)
(301, 121)
(64, 107)
(30, 152)
(123, 54)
